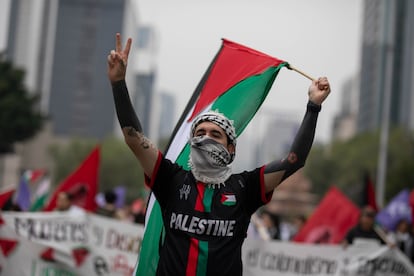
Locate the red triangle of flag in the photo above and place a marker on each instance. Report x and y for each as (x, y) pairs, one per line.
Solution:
(36, 175)
(234, 63)
(369, 193)
(80, 254)
(81, 185)
(7, 246)
(48, 254)
(1, 220)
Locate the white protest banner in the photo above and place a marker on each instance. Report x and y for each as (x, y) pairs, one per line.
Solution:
(293, 259)
(62, 244)
(51, 244)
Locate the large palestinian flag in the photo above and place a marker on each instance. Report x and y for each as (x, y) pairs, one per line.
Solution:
(235, 84)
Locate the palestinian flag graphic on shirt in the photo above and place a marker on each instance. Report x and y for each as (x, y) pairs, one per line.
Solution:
(235, 84)
(228, 199)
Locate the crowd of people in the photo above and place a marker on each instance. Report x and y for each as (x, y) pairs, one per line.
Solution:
(401, 237)
(134, 212)
(266, 225)
(66, 202)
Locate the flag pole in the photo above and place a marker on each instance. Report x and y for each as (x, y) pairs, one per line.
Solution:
(382, 235)
(290, 67)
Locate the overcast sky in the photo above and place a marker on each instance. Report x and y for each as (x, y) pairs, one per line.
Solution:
(320, 37)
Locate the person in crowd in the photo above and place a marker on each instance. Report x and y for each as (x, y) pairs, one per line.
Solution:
(11, 206)
(206, 211)
(403, 238)
(125, 214)
(63, 201)
(138, 208)
(298, 222)
(272, 223)
(365, 229)
(109, 208)
(265, 225)
(64, 204)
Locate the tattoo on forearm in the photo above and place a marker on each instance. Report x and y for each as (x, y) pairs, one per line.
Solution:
(132, 132)
(144, 142)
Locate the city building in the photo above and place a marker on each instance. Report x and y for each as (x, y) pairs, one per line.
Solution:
(345, 122)
(387, 65)
(167, 119)
(62, 45)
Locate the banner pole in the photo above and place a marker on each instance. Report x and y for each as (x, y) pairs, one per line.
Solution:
(290, 67)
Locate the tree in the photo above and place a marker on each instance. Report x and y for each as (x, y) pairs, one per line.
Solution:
(343, 163)
(118, 164)
(20, 118)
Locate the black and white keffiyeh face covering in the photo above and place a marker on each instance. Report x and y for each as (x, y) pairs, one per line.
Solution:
(209, 159)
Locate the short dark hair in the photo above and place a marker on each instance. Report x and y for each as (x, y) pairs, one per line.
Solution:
(110, 197)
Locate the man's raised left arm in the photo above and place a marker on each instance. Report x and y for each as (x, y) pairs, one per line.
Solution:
(277, 171)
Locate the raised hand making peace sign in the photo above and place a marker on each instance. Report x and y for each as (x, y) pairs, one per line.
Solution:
(118, 59)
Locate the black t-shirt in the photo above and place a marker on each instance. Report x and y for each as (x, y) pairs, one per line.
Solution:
(205, 227)
(358, 232)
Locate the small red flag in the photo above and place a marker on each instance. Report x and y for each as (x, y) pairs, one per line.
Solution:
(5, 196)
(82, 184)
(331, 220)
(369, 193)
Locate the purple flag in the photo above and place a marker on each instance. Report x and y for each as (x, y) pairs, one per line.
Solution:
(397, 209)
(120, 192)
(23, 194)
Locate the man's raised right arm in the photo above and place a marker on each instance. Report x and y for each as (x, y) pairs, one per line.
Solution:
(143, 149)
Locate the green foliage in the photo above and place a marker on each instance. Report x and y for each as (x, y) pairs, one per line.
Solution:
(67, 158)
(19, 117)
(400, 162)
(320, 169)
(343, 163)
(118, 165)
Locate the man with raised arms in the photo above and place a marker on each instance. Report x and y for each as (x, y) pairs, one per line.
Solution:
(206, 211)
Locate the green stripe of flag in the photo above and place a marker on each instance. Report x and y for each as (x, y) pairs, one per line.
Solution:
(202, 258)
(39, 203)
(240, 103)
(149, 258)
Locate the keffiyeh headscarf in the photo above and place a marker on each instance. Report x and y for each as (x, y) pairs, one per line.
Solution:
(218, 119)
(209, 160)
